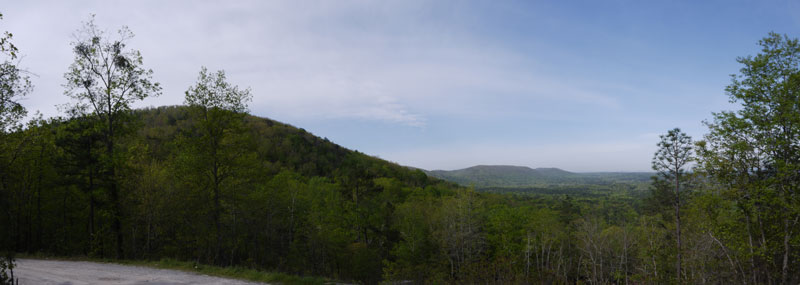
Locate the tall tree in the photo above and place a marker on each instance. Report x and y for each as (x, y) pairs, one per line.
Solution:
(673, 154)
(106, 78)
(14, 84)
(757, 148)
(218, 109)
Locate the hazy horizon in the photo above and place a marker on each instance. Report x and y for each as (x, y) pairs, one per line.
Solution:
(581, 86)
(531, 167)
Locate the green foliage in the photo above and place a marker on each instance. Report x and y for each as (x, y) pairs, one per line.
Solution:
(6, 46)
(752, 158)
(7, 265)
(638, 190)
(673, 154)
(365, 220)
(213, 92)
(213, 154)
(104, 80)
(106, 77)
(235, 195)
(14, 84)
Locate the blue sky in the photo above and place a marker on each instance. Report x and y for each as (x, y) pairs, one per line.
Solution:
(579, 85)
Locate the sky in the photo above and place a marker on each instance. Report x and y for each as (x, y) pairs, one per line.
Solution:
(584, 86)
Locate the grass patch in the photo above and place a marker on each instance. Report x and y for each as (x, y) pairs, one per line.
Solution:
(233, 272)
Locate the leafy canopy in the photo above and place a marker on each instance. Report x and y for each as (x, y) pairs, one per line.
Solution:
(14, 84)
(213, 91)
(106, 76)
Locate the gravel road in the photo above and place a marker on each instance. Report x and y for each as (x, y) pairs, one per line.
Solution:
(33, 271)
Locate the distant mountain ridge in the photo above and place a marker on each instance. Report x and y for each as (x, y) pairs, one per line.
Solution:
(521, 176)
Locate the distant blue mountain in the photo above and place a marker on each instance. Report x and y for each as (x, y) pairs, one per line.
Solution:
(521, 176)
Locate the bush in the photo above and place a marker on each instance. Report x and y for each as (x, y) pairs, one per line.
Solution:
(7, 269)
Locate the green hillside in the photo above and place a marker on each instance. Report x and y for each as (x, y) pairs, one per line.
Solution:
(277, 146)
(269, 196)
(210, 184)
(283, 199)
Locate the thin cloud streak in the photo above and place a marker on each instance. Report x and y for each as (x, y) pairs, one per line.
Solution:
(299, 69)
(412, 79)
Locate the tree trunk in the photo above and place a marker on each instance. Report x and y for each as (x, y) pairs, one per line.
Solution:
(91, 213)
(528, 257)
(115, 213)
(64, 218)
(39, 200)
(678, 225)
(217, 179)
(116, 223)
(217, 225)
(752, 247)
(786, 247)
(216, 215)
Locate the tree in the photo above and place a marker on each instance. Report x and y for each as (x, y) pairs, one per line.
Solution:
(106, 78)
(769, 88)
(218, 108)
(755, 153)
(14, 84)
(459, 233)
(80, 141)
(673, 154)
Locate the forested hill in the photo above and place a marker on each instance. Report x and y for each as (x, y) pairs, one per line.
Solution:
(278, 146)
(207, 185)
(520, 176)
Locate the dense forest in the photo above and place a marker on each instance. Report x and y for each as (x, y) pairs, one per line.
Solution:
(209, 183)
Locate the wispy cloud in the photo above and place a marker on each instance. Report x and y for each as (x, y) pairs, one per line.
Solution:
(396, 62)
(428, 73)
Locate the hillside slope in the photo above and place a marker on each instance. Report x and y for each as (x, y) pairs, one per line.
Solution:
(279, 146)
(263, 195)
